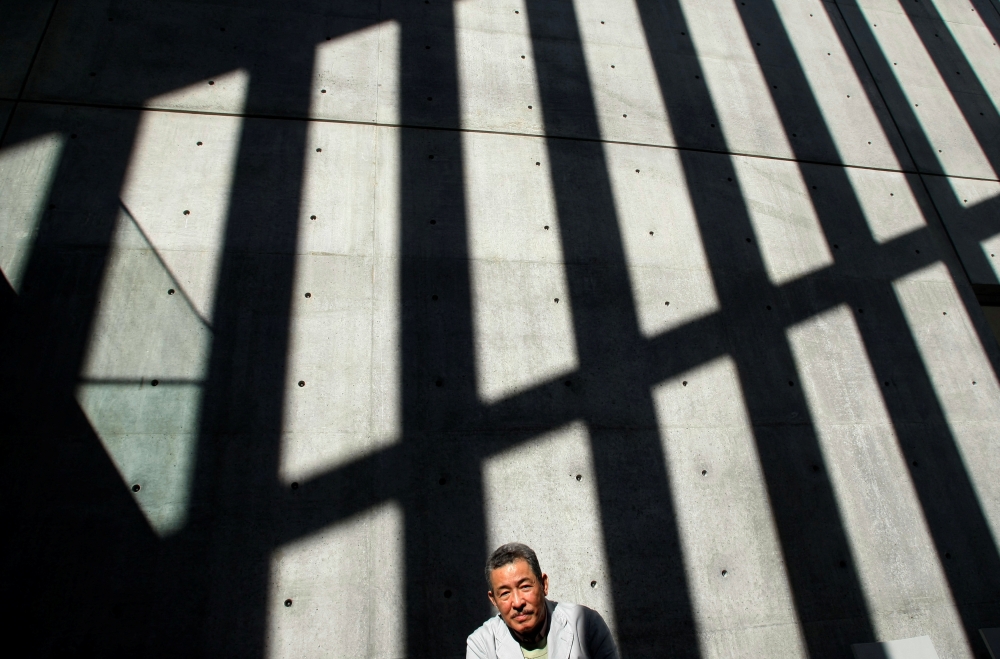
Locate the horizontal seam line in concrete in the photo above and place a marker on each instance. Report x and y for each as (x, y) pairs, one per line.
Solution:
(276, 117)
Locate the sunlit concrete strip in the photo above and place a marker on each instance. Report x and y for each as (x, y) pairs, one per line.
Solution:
(956, 150)
(27, 170)
(667, 267)
(740, 94)
(841, 96)
(544, 493)
(893, 552)
(225, 93)
(340, 592)
(153, 322)
(621, 74)
(520, 299)
(743, 603)
(784, 220)
(962, 375)
(327, 417)
(498, 84)
(347, 73)
(887, 200)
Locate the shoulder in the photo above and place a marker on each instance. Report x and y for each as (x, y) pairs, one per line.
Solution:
(574, 613)
(483, 640)
(590, 627)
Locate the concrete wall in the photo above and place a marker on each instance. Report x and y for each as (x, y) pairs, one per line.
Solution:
(309, 305)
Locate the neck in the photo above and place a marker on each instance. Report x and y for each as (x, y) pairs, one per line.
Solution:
(536, 637)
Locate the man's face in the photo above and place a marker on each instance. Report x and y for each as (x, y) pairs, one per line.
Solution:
(520, 597)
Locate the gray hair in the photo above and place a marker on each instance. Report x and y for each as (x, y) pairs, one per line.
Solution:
(507, 554)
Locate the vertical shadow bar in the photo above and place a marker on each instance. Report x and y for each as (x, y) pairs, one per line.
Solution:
(214, 582)
(443, 502)
(637, 515)
(825, 586)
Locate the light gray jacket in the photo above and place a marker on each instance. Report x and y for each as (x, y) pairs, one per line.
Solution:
(575, 632)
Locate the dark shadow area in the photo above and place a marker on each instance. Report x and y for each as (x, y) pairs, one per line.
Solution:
(86, 575)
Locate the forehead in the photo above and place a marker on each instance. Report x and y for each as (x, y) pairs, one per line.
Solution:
(512, 573)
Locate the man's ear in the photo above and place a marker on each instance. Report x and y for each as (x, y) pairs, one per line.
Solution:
(493, 600)
(545, 584)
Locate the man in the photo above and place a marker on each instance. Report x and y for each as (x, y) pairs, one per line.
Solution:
(530, 626)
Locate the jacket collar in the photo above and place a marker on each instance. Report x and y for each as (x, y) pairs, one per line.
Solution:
(559, 640)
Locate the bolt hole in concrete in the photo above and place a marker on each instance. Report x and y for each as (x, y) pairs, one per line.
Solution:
(187, 212)
(556, 300)
(211, 82)
(170, 291)
(537, 164)
(309, 294)
(302, 383)
(704, 472)
(155, 382)
(198, 143)
(322, 91)
(579, 477)
(288, 602)
(593, 584)
(725, 573)
(136, 487)
(530, 108)
(667, 303)
(651, 233)
(684, 383)
(637, 171)
(319, 150)
(295, 485)
(546, 227)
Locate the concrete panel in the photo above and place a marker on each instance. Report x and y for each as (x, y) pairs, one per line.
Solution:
(939, 118)
(960, 368)
(920, 647)
(103, 52)
(731, 551)
(753, 83)
(903, 580)
(339, 592)
(555, 511)
(968, 210)
(20, 32)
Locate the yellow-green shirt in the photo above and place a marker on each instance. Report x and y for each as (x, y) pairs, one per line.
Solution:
(540, 653)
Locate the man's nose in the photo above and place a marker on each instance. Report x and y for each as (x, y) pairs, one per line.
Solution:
(518, 602)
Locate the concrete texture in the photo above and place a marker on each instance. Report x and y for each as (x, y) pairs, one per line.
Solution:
(910, 648)
(308, 307)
